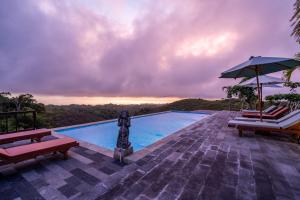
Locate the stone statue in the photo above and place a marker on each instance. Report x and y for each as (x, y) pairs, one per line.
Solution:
(123, 147)
(124, 124)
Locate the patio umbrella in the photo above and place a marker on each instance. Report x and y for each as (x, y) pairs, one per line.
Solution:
(264, 80)
(257, 66)
(266, 85)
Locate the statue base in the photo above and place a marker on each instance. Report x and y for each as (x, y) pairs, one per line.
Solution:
(120, 154)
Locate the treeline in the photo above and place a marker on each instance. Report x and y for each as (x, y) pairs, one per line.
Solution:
(51, 116)
(58, 116)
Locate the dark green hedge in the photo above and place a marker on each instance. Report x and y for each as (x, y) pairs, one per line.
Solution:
(283, 97)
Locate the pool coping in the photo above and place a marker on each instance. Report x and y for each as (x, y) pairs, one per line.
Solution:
(152, 147)
(140, 153)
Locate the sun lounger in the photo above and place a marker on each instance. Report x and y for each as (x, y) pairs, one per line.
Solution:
(271, 112)
(24, 135)
(266, 111)
(295, 112)
(29, 151)
(279, 112)
(290, 126)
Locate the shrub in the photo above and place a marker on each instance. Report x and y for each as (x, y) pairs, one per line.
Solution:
(293, 100)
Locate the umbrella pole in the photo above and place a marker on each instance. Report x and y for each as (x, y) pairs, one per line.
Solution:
(261, 96)
(259, 93)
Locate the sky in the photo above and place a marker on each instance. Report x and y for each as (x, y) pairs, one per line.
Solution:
(135, 51)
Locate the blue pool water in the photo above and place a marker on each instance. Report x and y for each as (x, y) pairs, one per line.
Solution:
(144, 131)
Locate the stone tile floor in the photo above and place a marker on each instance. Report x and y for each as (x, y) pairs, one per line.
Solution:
(207, 161)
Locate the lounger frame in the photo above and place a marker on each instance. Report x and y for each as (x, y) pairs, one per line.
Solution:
(290, 131)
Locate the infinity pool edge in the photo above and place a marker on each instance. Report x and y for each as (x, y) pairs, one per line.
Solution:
(137, 154)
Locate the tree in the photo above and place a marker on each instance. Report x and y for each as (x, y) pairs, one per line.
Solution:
(4, 101)
(228, 90)
(245, 94)
(287, 74)
(23, 101)
(295, 19)
(292, 85)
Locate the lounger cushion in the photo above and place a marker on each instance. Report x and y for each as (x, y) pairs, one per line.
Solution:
(253, 124)
(272, 115)
(290, 122)
(38, 148)
(253, 119)
(294, 113)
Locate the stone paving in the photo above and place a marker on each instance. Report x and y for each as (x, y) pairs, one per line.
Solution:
(52, 177)
(206, 161)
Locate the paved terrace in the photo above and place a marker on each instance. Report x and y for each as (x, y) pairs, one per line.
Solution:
(207, 161)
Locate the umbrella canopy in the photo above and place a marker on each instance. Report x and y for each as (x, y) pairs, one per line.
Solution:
(266, 85)
(260, 65)
(273, 86)
(256, 66)
(263, 80)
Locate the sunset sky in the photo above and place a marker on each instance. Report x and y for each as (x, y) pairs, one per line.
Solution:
(135, 51)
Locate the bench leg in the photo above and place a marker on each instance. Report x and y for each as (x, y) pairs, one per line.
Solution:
(240, 132)
(65, 153)
(36, 139)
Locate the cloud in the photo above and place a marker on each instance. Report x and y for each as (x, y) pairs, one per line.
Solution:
(171, 48)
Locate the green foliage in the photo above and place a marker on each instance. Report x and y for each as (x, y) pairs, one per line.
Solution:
(4, 101)
(283, 97)
(228, 90)
(245, 94)
(287, 74)
(292, 85)
(293, 100)
(296, 21)
(22, 102)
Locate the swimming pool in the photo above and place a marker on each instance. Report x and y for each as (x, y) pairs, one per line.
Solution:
(144, 130)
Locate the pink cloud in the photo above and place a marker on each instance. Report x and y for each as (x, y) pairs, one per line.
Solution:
(175, 48)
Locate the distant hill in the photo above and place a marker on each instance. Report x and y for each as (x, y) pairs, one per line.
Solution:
(67, 115)
(201, 104)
